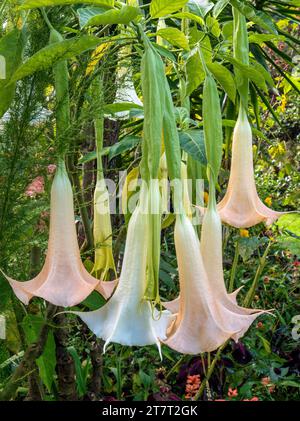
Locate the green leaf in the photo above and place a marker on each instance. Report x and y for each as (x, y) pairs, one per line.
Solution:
(290, 243)
(86, 13)
(194, 71)
(11, 47)
(247, 246)
(46, 363)
(254, 15)
(265, 342)
(32, 4)
(90, 156)
(290, 222)
(160, 8)
(213, 26)
(165, 52)
(188, 15)
(80, 377)
(266, 74)
(199, 7)
(53, 53)
(219, 7)
(192, 142)
(94, 301)
(212, 126)
(225, 78)
(249, 72)
(126, 144)
(175, 37)
(113, 17)
(255, 38)
(120, 107)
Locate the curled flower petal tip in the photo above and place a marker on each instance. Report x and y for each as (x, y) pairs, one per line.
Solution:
(241, 207)
(63, 280)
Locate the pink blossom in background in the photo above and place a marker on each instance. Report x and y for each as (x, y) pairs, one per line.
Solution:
(51, 168)
(37, 186)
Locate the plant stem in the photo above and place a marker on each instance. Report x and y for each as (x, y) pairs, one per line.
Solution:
(33, 352)
(262, 262)
(234, 267)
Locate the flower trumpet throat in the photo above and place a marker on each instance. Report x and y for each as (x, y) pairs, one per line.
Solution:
(206, 315)
(127, 318)
(63, 280)
(241, 207)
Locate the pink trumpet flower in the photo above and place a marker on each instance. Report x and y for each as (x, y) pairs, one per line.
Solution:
(63, 280)
(241, 207)
(206, 315)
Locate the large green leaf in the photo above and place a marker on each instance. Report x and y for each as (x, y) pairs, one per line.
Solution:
(160, 8)
(225, 78)
(256, 16)
(113, 17)
(53, 53)
(175, 37)
(11, 47)
(192, 142)
(32, 4)
(32, 325)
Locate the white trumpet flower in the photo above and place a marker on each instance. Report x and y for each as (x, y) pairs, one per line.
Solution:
(128, 318)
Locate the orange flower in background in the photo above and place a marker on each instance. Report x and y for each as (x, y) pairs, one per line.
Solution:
(192, 386)
(232, 393)
(244, 233)
(63, 280)
(241, 207)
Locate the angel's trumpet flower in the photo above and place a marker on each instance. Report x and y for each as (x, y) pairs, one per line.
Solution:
(127, 318)
(63, 280)
(241, 207)
(207, 316)
(104, 260)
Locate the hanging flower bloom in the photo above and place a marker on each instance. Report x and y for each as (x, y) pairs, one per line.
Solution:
(127, 318)
(104, 260)
(63, 280)
(206, 315)
(241, 207)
